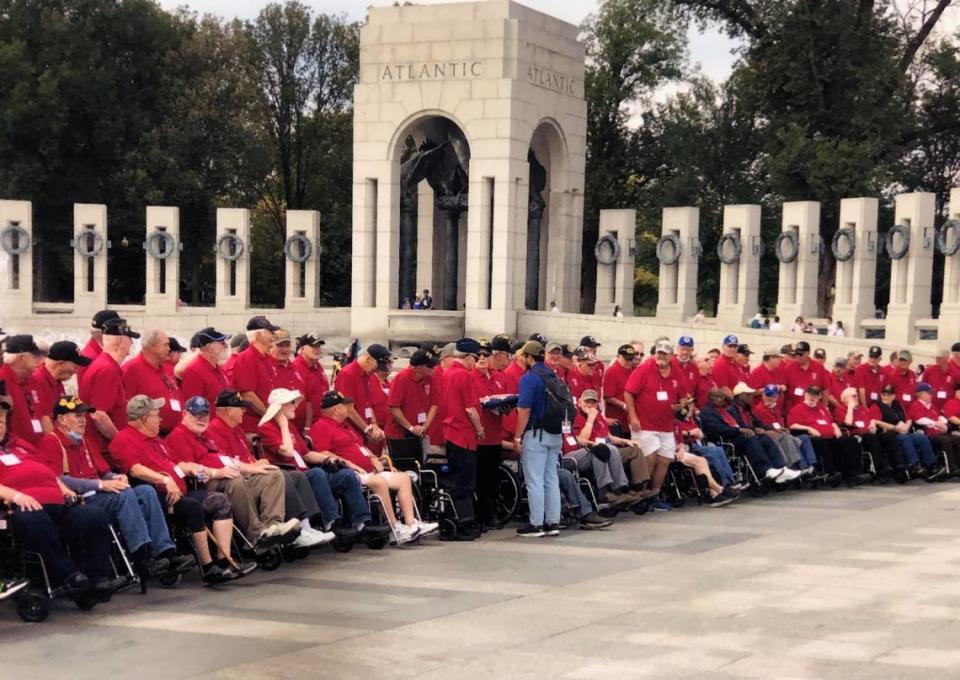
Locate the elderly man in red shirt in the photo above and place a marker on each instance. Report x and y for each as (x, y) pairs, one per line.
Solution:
(353, 382)
(726, 372)
(902, 377)
(94, 346)
(869, 377)
(801, 374)
(411, 409)
(254, 371)
(614, 380)
(204, 375)
(102, 383)
(769, 372)
(46, 384)
(308, 365)
(686, 363)
(839, 453)
(837, 381)
(147, 374)
(585, 374)
(925, 414)
(21, 356)
(938, 376)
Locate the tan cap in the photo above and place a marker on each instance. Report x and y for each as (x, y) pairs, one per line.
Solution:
(141, 405)
(590, 395)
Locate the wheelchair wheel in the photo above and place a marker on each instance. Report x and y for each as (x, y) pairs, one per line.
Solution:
(33, 607)
(508, 496)
(88, 601)
(342, 544)
(270, 560)
(288, 553)
(169, 580)
(608, 511)
(641, 508)
(448, 529)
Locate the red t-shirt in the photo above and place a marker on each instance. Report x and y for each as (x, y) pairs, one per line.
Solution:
(340, 439)
(951, 409)
(836, 385)
(315, 384)
(870, 379)
(83, 460)
(690, 373)
(798, 379)
(139, 377)
(511, 381)
(918, 410)
(614, 381)
(44, 391)
(942, 383)
(271, 441)
(102, 387)
(379, 398)
(492, 422)
(771, 418)
(654, 396)
(861, 417)
(354, 383)
(704, 385)
(131, 447)
(91, 350)
(579, 382)
(905, 383)
(185, 446)
(816, 417)
(254, 372)
(20, 421)
(726, 372)
(231, 440)
(600, 430)
(412, 397)
(435, 433)
(201, 378)
(762, 376)
(22, 471)
(458, 394)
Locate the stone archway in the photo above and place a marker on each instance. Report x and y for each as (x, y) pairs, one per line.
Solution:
(548, 181)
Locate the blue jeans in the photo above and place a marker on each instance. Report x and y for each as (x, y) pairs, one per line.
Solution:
(540, 460)
(717, 460)
(914, 447)
(806, 449)
(572, 493)
(340, 483)
(138, 513)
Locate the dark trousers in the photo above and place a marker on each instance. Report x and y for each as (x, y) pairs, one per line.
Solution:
(192, 510)
(489, 458)
(462, 479)
(761, 451)
(298, 497)
(950, 444)
(838, 455)
(884, 448)
(81, 527)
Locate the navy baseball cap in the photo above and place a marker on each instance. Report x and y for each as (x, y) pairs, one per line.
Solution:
(207, 335)
(685, 341)
(731, 340)
(197, 406)
(468, 346)
(925, 387)
(771, 390)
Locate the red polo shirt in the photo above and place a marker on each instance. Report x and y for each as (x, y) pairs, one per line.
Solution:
(48, 391)
(492, 423)
(140, 377)
(905, 383)
(726, 372)
(435, 433)
(951, 409)
(942, 383)
(918, 410)
(185, 446)
(379, 397)
(704, 385)
(131, 447)
(340, 439)
(201, 378)
(861, 417)
(654, 396)
(21, 421)
(459, 394)
(254, 372)
(690, 373)
(798, 379)
(271, 441)
(579, 382)
(816, 417)
(412, 397)
(870, 379)
(315, 384)
(23, 472)
(354, 383)
(91, 350)
(838, 385)
(102, 388)
(59, 453)
(762, 376)
(231, 440)
(614, 380)
(772, 418)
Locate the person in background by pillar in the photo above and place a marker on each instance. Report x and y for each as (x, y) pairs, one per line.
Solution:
(254, 370)
(938, 376)
(776, 326)
(21, 357)
(462, 430)
(926, 415)
(617, 312)
(102, 383)
(554, 308)
(353, 382)
(307, 363)
(869, 377)
(147, 374)
(46, 384)
(488, 383)
(94, 345)
(426, 302)
(203, 375)
(539, 437)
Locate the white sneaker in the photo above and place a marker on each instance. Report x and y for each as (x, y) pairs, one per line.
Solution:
(325, 536)
(308, 539)
(807, 471)
(403, 534)
(773, 473)
(787, 475)
(427, 528)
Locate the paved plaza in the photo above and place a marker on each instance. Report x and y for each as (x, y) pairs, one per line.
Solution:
(813, 584)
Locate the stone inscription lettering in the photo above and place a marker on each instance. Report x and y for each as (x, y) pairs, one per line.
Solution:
(432, 70)
(551, 80)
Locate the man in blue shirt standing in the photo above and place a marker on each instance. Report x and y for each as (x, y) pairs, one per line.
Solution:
(540, 449)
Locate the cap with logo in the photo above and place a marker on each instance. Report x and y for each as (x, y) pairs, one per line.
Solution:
(787, 350)
(500, 343)
(819, 353)
(801, 347)
(627, 351)
(20, 344)
(589, 341)
(141, 406)
(814, 389)
(64, 350)
(102, 316)
(567, 351)
(333, 398)
(731, 340)
(260, 323)
(663, 347)
(118, 326)
(381, 354)
(590, 395)
(206, 336)
(744, 350)
(70, 404)
(585, 355)
(485, 348)
(875, 352)
(311, 340)
(538, 337)
(771, 390)
(197, 406)
(424, 357)
(925, 387)
(231, 399)
(685, 341)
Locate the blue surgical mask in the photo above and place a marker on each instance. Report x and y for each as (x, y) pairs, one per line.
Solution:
(75, 437)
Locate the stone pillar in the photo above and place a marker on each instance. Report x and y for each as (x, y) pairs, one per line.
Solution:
(797, 295)
(89, 273)
(388, 242)
(479, 234)
(856, 278)
(949, 326)
(163, 275)
(16, 271)
(677, 299)
(911, 275)
(739, 281)
(615, 281)
(233, 277)
(303, 278)
(425, 207)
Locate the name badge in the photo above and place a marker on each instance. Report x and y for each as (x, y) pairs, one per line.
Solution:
(776, 426)
(858, 423)
(367, 452)
(421, 418)
(228, 461)
(37, 427)
(386, 391)
(368, 412)
(873, 396)
(180, 474)
(662, 395)
(571, 440)
(821, 421)
(9, 459)
(798, 391)
(565, 427)
(908, 397)
(175, 405)
(601, 440)
(941, 394)
(298, 459)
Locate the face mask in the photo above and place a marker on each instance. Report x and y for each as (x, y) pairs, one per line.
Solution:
(75, 437)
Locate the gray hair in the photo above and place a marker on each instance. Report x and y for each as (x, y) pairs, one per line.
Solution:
(152, 337)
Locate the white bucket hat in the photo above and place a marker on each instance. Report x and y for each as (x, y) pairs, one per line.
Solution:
(278, 398)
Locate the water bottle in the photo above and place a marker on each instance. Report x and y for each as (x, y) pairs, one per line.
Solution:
(202, 475)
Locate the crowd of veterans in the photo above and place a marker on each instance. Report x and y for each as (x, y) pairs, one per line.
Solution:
(189, 453)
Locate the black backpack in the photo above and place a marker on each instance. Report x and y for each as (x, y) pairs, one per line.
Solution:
(559, 406)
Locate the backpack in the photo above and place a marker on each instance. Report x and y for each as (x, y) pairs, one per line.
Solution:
(559, 406)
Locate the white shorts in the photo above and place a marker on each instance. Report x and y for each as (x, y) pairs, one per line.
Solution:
(664, 444)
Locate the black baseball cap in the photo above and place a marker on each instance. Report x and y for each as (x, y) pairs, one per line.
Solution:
(589, 341)
(820, 353)
(500, 343)
(119, 326)
(485, 347)
(65, 350)
(310, 340)
(567, 351)
(20, 344)
(206, 336)
(538, 337)
(101, 317)
(875, 352)
(744, 350)
(260, 323)
(955, 347)
(231, 399)
(381, 354)
(627, 351)
(813, 389)
(468, 346)
(333, 398)
(175, 345)
(801, 347)
(69, 404)
(424, 357)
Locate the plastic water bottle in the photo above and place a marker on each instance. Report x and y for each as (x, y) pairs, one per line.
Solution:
(202, 475)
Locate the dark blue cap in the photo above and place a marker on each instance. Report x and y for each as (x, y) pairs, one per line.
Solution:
(685, 341)
(771, 390)
(925, 387)
(731, 340)
(468, 346)
(197, 405)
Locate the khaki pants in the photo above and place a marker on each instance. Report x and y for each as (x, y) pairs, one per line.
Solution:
(256, 501)
(637, 462)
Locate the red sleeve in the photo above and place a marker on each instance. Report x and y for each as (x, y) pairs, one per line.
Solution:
(916, 411)
(50, 454)
(795, 416)
(839, 413)
(123, 452)
(322, 436)
(270, 437)
(874, 412)
(192, 384)
(398, 390)
(102, 390)
(636, 380)
(347, 384)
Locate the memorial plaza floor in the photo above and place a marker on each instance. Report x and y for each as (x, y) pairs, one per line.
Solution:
(813, 584)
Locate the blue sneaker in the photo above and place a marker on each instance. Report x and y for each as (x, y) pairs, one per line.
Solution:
(660, 506)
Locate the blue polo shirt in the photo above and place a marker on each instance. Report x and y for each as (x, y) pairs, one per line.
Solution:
(533, 392)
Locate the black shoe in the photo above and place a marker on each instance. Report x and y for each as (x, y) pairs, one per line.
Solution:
(551, 529)
(730, 492)
(834, 480)
(718, 501)
(182, 563)
(153, 568)
(530, 531)
(594, 521)
(245, 568)
(110, 585)
(934, 474)
(371, 531)
(213, 573)
(74, 585)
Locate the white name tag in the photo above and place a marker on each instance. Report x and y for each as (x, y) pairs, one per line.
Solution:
(858, 423)
(421, 418)
(873, 396)
(571, 441)
(821, 421)
(941, 395)
(907, 397)
(565, 428)
(298, 459)
(176, 468)
(386, 391)
(368, 412)
(367, 452)
(662, 395)
(601, 440)
(228, 461)
(798, 391)
(175, 405)
(9, 459)
(37, 427)
(776, 426)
